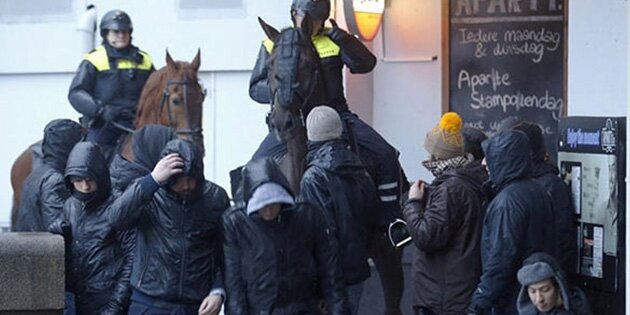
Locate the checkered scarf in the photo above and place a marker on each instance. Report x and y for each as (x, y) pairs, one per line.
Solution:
(437, 167)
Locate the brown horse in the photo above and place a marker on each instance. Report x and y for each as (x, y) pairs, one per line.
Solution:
(172, 96)
(293, 72)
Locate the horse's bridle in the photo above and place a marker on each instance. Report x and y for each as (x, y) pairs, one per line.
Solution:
(294, 53)
(195, 133)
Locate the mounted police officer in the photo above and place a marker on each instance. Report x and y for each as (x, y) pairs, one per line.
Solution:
(109, 81)
(337, 48)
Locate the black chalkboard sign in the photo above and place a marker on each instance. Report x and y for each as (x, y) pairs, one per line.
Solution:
(507, 58)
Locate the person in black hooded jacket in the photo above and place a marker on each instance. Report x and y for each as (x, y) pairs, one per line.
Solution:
(518, 222)
(147, 145)
(98, 255)
(546, 174)
(178, 265)
(275, 248)
(44, 190)
(445, 220)
(337, 182)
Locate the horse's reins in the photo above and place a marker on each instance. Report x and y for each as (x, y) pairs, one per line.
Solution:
(194, 133)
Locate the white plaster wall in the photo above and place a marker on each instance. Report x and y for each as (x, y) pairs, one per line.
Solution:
(598, 58)
(407, 87)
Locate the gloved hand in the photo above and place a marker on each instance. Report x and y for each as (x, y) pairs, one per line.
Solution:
(108, 113)
(126, 115)
(337, 34)
(61, 227)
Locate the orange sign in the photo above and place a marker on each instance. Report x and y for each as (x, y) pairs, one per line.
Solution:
(364, 17)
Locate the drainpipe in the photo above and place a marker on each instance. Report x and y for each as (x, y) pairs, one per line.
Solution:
(87, 29)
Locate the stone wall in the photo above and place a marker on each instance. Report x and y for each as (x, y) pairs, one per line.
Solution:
(31, 273)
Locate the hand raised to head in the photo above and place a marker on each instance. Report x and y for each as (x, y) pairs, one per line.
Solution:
(168, 166)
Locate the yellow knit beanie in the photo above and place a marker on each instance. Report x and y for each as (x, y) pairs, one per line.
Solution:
(445, 141)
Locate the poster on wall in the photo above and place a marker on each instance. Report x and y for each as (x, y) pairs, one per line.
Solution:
(571, 173)
(591, 251)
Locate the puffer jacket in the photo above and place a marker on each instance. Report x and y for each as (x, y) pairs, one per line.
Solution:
(44, 190)
(108, 76)
(518, 222)
(179, 253)
(546, 175)
(447, 233)
(100, 256)
(336, 181)
(334, 51)
(574, 301)
(271, 265)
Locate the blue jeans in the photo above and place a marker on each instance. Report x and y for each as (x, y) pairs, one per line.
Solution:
(69, 308)
(354, 292)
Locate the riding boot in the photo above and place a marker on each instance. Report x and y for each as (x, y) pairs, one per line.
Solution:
(388, 261)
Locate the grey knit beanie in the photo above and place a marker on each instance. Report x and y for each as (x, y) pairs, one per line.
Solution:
(323, 124)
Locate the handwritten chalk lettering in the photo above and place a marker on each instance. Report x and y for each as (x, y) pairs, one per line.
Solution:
(475, 124)
(474, 7)
(536, 49)
(517, 101)
(478, 36)
(480, 51)
(539, 36)
(494, 78)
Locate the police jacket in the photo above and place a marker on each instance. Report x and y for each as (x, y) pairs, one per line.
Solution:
(271, 266)
(336, 181)
(100, 256)
(179, 254)
(108, 76)
(546, 174)
(519, 221)
(44, 190)
(336, 49)
(446, 230)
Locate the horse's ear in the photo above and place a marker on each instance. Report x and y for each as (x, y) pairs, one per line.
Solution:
(307, 26)
(196, 61)
(170, 63)
(271, 32)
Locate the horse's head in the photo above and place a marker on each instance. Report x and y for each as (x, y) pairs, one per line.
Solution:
(292, 75)
(173, 96)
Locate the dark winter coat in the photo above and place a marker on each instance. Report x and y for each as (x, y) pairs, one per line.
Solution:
(44, 190)
(179, 254)
(546, 175)
(271, 266)
(518, 222)
(334, 53)
(336, 181)
(447, 233)
(100, 256)
(108, 76)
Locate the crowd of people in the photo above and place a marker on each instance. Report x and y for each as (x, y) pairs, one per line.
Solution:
(493, 231)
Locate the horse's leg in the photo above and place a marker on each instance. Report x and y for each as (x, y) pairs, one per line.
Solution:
(21, 168)
(296, 157)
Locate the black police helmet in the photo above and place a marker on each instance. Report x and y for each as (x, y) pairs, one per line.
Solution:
(115, 20)
(316, 9)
